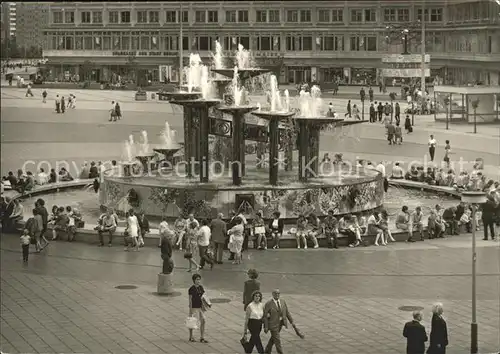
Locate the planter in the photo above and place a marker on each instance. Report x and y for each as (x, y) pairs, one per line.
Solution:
(141, 96)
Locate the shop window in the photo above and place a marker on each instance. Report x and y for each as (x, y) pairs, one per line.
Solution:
(338, 15)
(305, 15)
(171, 17)
(125, 42)
(113, 17)
(125, 17)
(370, 15)
(274, 16)
(243, 16)
(245, 42)
(213, 16)
(324, 16)
(356, 16)
(231, 16)
(371, 44)
(69, 17)
(57, 17)
(154, 17)
(87, 42)
(261, 16)
(290, 43)
(292, 16)
(142, 16)
(201, 16)
(68, 45)
(403, 15)
(185, 43)
(78, 42)
(437, 15)
(307, 43)
(389, 15)
(145, 43)
(96, 17)
(116, 40)
(86, 17)
(135, 42)
(204, 43)
(155, 43)
(264, 43)
(107, 43)
(97, 41)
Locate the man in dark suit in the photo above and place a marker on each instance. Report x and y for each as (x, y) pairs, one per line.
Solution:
(219, 235)
(276, 316)
(415, 334)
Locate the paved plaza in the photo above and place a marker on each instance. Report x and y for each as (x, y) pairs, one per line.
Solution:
(345, 301)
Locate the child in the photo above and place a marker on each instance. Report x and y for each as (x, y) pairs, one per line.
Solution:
(466, 220)
(191, 245)
(71, 224)
(25, 244)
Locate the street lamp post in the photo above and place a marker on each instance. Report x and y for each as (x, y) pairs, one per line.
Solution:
(474, 198)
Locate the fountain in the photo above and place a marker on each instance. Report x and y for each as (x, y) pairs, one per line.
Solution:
(244, 71)
(145, 155)
(247, 188)
(170, 146)
(238, 111)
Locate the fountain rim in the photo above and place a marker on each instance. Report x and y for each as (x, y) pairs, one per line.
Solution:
(250, 72)
(228, 109)
(199, 102)
(271, 115)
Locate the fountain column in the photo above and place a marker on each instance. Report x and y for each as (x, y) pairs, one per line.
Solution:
(188, 140)
(314, 147)
(304, 153)
(203, 157)
(273, 150)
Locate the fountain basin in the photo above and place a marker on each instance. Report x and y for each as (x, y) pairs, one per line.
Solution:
(243, 74)
(270, 115)
(167, 152)
(176, 96)
(343, 192)
(237, 109)
(197, 103)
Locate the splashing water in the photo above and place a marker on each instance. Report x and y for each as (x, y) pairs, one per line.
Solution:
(168, 137)
(287, 101)
(145, 143)
(275, 95)
(218, 56)
(237, 91)
(205, 84)
(310, 103)
(193, 72)
(129, 148)
(243, 58)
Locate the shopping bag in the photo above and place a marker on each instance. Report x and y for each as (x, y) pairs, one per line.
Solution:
(192, 322)
(245, 344)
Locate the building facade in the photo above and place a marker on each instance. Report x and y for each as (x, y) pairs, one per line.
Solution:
(31, 19)
(8, 20)
(309, 41)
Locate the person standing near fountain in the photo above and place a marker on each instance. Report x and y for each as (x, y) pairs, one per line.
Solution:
(236, 239)
(133, 228)
(219, 232)
(166, 254)
(204, 235)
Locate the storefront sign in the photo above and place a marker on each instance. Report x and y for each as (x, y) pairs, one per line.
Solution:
(405, 58)
(144, 54)
(393, 72)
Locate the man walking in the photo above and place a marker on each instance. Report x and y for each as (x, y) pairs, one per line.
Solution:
(219, 232)
(373, 114)
(349, 111)
(276, 316)
(204, 235)
(415, 335)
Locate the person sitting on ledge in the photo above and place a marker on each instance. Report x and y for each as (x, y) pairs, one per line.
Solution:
(107, 223)
(330, 227)
(418, 222)
(403, 222)
(64, 175)
(397, 172)
(466, 220)
(412, 175)
(314, 229)
(300, 234)
(421, 174)
(430, 176)
(450, 178)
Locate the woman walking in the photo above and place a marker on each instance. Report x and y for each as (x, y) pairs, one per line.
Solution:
(191, 246)
(236, 239)
(196, 307)
(133, 228)
(439, 331)
(253, 323)
(249, 287)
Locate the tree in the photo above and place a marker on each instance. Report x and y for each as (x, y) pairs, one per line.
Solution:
(475, 105)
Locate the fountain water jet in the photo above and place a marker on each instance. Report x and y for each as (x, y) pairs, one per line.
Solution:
(218, 56)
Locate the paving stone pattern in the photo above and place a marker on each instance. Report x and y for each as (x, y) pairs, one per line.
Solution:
(65, 301)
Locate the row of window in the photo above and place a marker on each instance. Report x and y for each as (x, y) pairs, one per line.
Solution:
(242, 16)
(154, 41)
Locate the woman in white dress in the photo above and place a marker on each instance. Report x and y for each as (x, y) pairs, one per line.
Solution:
(133, 228)
(236, 239)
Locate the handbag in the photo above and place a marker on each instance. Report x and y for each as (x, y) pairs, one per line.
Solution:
(245, 344)
(188, 255)
(192, 322)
